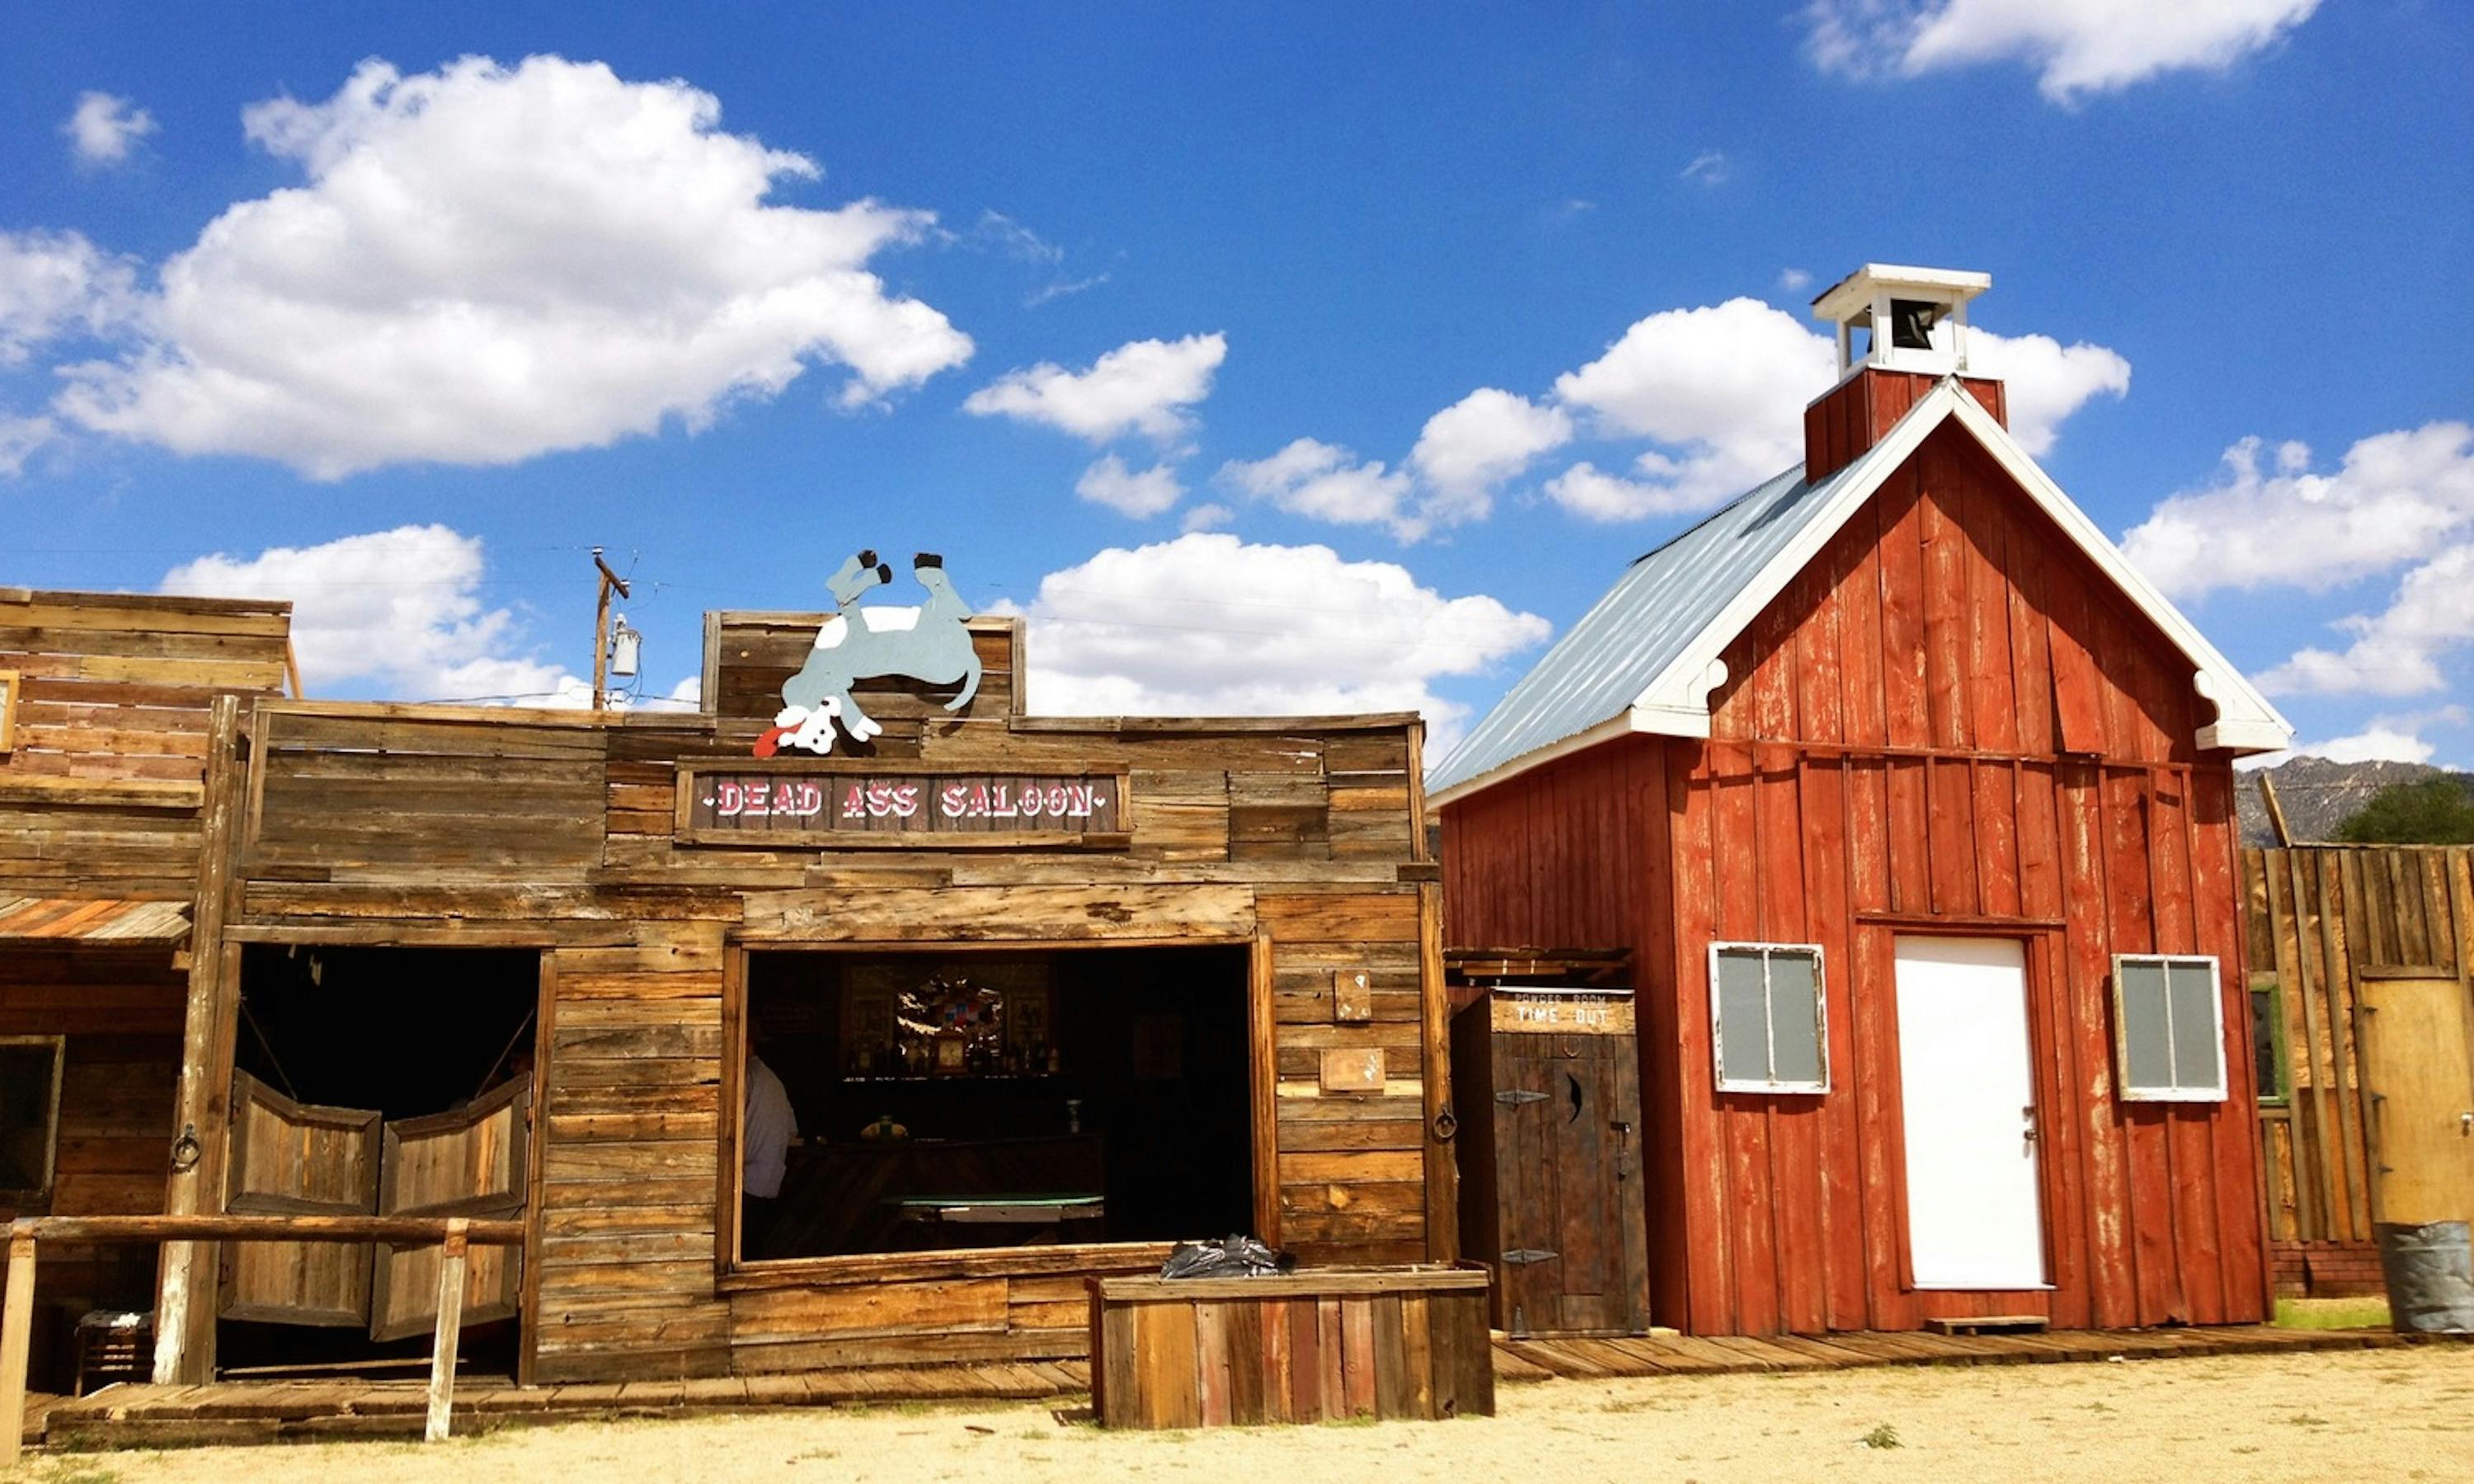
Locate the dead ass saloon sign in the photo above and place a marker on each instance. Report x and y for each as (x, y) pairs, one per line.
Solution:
(719, 807)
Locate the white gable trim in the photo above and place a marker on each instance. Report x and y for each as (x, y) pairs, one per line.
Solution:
(1677, 703)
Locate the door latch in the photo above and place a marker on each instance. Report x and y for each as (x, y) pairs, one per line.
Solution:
(1513, 1097)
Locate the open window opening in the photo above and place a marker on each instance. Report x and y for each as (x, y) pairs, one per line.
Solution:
(30, 1117)
(386, 1082)
(934, 1101)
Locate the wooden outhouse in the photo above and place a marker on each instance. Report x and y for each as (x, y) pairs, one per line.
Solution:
(1913, 802)
(1549, 1081)
(107, 704)
(854, 1020)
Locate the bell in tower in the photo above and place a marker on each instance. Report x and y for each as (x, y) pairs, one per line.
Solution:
(1901, 319)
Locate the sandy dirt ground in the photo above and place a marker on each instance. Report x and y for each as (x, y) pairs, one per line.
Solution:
(2390, 1415)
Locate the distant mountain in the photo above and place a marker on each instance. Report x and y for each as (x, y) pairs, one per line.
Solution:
(2318, 794)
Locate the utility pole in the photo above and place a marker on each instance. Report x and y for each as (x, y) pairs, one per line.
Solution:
(601, 631)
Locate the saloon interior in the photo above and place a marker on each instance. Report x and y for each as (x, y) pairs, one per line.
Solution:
(980, 1099)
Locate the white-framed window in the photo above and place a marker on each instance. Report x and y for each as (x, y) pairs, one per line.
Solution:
(1768, 1018)
(2169, 1024)
(30, 1117)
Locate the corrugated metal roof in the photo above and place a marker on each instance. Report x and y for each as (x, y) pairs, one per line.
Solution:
(1653, 612)
(78, 919)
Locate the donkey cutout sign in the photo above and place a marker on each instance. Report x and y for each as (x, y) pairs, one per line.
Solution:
(928, 643)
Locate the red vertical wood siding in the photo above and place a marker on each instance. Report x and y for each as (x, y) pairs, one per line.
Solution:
(1893, 742)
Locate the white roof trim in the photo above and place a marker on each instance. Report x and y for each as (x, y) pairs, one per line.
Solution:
(1677, 703)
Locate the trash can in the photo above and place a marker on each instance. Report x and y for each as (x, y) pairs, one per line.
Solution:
(2429, 1273)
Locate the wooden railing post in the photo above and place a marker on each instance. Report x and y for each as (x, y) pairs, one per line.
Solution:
(450, 1328)
(16, 1337)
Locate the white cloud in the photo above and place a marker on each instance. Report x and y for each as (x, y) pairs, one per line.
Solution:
(2076, 46)
(19, 438)
(1062, 288)
(1486, 437)
(2396, 497)
(1722, 387)
(1016, 240)
(1324, 482)
(1144, 386)
(1301, 631)
(1709, 167)
(1793, 281)
(56, 283)
(2374, 744)
(103, 128)
(435, 292)
(1593, 495)
(2397, 652)
(398, 610)
(1206, 518)
(1141, 495)
(1722, 390)
(2044, 381)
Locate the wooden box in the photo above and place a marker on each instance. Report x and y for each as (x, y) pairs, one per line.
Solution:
(1548, 1087)
(1309, 1347)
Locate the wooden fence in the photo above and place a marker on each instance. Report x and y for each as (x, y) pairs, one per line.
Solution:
(453, 1233)
(2322, 919)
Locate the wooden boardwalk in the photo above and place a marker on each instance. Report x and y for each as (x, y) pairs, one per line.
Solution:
(131, 1416)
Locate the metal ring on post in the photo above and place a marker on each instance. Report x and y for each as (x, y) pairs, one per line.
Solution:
(186, 1150)
(1446, 1125)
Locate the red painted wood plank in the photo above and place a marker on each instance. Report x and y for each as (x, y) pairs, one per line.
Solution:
(2128, 896)
(2234, 1135)
(1899, 511)
(1827, 871)
(1748, 1217)
(1992, 709)
(1709, 1276)
(2088, 977)
(1945, 598)
(1793, 1120)
(1876, 1086)
(1663, 1065)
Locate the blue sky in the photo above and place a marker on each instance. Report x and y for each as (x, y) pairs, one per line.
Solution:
(435, 331)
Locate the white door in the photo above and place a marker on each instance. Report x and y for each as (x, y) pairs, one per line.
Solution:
(1969, 1099)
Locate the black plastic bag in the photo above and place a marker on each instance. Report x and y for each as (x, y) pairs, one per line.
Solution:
(1230, 1256)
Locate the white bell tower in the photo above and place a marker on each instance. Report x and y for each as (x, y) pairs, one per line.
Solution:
(1901, 319)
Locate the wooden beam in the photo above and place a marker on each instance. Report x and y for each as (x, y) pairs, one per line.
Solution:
(2276, 810)
(17, 1335)
(450, 1331)
(508, 1231)
(184, 1302)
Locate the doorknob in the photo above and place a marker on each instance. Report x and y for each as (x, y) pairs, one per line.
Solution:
(2465, 1124)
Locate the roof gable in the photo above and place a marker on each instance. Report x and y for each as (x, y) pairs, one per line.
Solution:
(1647, 656)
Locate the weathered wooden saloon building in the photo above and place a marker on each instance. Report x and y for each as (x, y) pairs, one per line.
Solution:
(1039, 995)
(106, 705)
(1913, 804)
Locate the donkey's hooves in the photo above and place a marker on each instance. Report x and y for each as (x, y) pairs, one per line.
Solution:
(927, 559)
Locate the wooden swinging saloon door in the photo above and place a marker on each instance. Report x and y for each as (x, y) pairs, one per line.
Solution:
(292, 1157)
(468, 1162)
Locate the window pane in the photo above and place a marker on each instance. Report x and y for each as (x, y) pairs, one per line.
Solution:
(1743, 1038)
(2193, 992)
(1795, 1029)
(2262, 1044)
(2146, 1037)
(25, 1114)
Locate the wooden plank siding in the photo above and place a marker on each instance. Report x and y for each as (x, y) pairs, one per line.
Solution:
(2319, 917)
(100, 796)
(377, 825)
(1949, 722)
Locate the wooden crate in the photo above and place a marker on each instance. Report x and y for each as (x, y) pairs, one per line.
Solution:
(1310, 1347)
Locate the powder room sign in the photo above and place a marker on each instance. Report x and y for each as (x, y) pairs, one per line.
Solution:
(787, 807)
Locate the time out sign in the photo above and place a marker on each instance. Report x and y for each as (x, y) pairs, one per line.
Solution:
(838, 810)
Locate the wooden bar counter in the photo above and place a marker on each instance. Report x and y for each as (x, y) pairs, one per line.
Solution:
(1307, 1347)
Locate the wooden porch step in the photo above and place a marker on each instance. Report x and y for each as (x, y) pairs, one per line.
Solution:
(1995, 1323)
